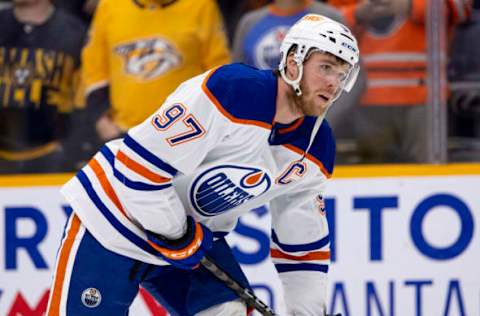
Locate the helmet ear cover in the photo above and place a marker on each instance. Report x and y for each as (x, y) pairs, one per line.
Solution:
(295, 83)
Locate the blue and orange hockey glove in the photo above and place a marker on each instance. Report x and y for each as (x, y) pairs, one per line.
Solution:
(187, 251)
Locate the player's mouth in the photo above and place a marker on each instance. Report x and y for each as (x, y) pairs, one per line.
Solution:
(324, 97)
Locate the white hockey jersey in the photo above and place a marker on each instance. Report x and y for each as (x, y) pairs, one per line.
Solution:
(213, 152)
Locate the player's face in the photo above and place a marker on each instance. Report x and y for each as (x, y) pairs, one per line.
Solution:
(323, 78)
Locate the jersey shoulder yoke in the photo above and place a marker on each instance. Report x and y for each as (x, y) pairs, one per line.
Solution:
(243, 94)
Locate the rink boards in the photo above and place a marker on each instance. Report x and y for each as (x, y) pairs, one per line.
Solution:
(404, 242)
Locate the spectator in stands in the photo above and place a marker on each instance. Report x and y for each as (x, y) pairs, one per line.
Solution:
(390, 124)
(260, 32)
(39, 66)
(140, 50)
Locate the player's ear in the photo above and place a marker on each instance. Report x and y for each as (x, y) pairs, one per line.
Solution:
(292, 68)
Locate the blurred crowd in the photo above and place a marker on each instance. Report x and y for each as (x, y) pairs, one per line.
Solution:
(76, 73)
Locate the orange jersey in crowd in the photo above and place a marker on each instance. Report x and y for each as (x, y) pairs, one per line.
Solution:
(396, 57)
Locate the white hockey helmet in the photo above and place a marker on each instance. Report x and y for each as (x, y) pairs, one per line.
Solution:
(315, 32)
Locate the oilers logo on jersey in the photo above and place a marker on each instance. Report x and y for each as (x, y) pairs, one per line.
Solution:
(147, 59)
(221, 188)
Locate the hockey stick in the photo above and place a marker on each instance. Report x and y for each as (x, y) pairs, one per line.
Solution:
(245, 294)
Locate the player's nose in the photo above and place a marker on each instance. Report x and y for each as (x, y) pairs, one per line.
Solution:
(332, 81)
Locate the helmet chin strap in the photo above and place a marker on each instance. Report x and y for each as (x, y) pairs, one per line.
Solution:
(316, 127)
(318, 123)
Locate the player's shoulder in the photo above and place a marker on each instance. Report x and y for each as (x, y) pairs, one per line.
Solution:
(243, 93)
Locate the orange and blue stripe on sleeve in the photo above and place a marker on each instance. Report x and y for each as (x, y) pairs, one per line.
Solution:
(139, 169)
(314, 255)
(159, 181)
(106, 186)
(95, 198)
(148, 156)
(300, 257)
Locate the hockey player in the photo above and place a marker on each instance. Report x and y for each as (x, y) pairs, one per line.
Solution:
(149, 206)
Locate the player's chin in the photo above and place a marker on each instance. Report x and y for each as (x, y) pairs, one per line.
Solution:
(320, 108)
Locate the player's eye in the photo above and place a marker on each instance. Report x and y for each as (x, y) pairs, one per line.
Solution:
(325, 68)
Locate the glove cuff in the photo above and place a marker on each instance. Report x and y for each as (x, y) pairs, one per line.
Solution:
(181, 248)
(175, 244)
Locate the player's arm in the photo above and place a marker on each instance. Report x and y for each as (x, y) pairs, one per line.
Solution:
(173, 140)
(214, 45)
(300, 248)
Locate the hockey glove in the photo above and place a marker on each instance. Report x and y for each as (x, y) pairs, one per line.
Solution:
(187, 251)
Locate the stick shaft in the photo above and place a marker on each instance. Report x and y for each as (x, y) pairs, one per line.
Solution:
(244, 293)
